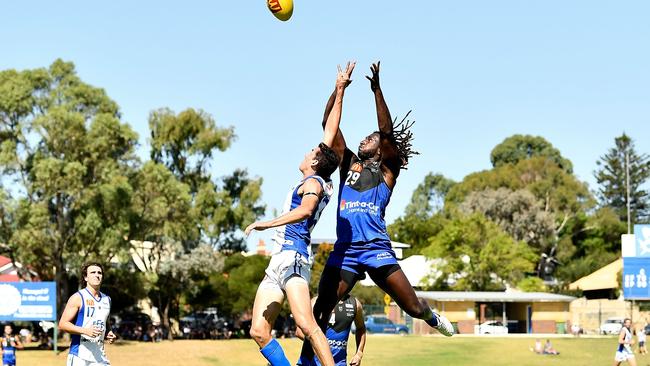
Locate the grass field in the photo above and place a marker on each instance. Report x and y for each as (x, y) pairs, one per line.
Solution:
(380, 351)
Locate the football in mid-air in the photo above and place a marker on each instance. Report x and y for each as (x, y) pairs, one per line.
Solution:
(282, 9)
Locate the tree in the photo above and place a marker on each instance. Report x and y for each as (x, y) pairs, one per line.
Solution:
(520, 147)
(518, 213)
(611, 178)
(531, 284)
(68, 157)
(592, 241)
(233, 289)
(126, 286)
(429, 196)
(73, 190)
(244, 275)
(160, 205)
(416, 230)
(478, 256)
(369, 295)
(423, 217)
(320, 260)
(185, 144)
(558, 192)
(179, 274)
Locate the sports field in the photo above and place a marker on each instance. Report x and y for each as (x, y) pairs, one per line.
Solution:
(380, 351)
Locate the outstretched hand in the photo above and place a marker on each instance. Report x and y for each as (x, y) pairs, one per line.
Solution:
(343, 76)
(251, 227)
(374, 80)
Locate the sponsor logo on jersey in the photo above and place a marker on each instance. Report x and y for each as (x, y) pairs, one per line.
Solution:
(337, 344)
(359, 206)
(384, 255)
(90, 302)
(349, 306)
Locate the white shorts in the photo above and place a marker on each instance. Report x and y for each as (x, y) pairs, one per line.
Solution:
(283, 266)
(623, 356)
(76, 361)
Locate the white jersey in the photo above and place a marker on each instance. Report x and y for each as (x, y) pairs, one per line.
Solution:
(94, 311)
(297, 236)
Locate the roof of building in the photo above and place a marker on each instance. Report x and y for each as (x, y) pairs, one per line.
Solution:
(493, 296)
(4, 260)
(9, 271)
(602, 279)
(9, 278)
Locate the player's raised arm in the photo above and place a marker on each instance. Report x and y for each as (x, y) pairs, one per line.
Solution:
(389, 152)
(312, 191)
(332, 135)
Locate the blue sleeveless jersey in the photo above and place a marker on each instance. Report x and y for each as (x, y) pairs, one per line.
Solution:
(8, 351)
(297, 236)
(363, 198)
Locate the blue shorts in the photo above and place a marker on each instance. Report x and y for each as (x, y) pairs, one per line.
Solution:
(358, 257)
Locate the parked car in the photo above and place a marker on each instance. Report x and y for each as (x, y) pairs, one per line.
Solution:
(381, 324)
(611, 326)
(206, 325)
(132, 325)
(492, 327)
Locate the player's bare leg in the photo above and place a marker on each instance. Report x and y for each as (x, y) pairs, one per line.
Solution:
(298, 296)
(266, 308)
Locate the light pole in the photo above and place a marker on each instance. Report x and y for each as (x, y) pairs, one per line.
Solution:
(627, 187)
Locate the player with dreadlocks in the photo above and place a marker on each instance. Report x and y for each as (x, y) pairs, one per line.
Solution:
(367, 181)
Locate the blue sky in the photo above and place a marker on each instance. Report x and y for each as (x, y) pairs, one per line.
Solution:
(474, 72)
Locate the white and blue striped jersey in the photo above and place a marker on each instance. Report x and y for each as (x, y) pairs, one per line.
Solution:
(627, 338)
(297, 236)
(94, 311)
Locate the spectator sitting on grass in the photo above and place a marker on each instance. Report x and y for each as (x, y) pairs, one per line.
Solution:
(538, 347)
(549, 350)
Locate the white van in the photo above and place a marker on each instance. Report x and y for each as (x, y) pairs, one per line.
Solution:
(611, 326)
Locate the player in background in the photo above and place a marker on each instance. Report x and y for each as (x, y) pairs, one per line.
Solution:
(367, 180)
(347, 312)
(85, 317)
(624, 351)
(289, 270)
(10, 343)
(641, 336)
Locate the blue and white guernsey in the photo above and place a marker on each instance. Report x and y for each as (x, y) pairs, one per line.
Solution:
(8, 351)
(297, 236)
(626, 348)
(93, 312)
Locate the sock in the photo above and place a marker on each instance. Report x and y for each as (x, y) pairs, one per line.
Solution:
(433, 321)
(306, 353)
(304, 362)
(274, 354)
